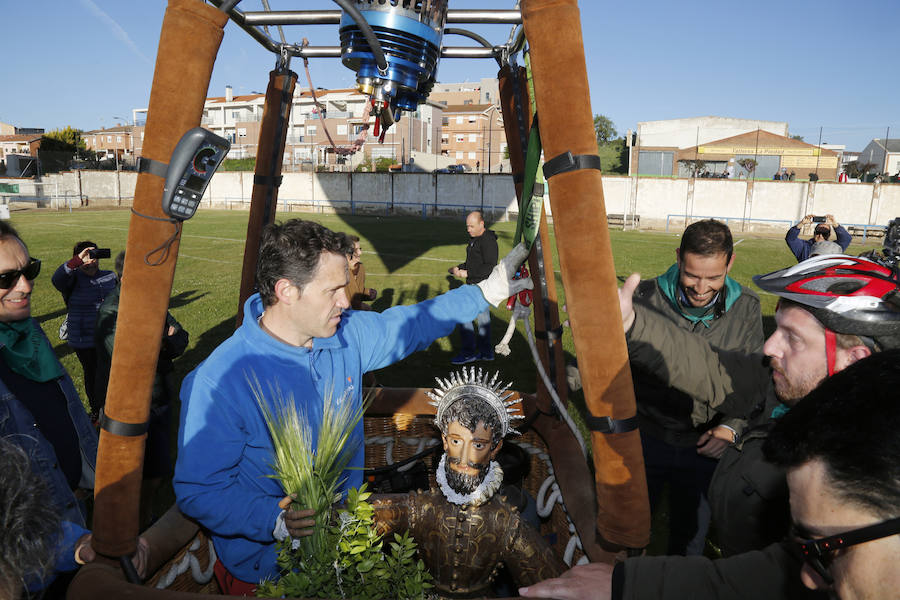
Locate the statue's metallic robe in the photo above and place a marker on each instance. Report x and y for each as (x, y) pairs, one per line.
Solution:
(465, 546)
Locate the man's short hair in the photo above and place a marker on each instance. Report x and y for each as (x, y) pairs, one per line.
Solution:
(8, 231)
(707, 238)
(469, 415)
(823, 230)
(81, 246)
(292, 250)
(29, 524)
(479, 213)
(851, 423)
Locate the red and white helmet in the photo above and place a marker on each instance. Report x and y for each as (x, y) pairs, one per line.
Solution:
(847, 294)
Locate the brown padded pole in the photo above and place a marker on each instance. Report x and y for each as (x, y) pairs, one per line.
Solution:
(190, 38)
(553, 30)
(272, 135)
(571, 469)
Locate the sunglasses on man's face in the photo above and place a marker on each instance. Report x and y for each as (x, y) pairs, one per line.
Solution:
(818, 554)
(29, 271)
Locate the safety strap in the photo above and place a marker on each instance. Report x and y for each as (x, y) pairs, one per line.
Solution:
(265, 179)
(610, 425)
(120, 428)
(529, 220)
(567, 161)
(154, 167)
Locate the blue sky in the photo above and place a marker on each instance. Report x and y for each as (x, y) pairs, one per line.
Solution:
(811, 63)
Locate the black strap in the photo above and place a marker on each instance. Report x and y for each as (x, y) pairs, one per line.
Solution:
(120, 428)
(550, 334)
(154, 167)
(518, 178)
(264, 180)
(610, 425)
(569, 162)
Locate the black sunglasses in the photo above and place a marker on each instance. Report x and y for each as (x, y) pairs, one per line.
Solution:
(818, 553)
(30, 271)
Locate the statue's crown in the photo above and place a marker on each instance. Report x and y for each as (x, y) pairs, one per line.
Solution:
(469, 384)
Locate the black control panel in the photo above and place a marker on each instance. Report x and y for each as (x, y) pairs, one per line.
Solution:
(194, 161)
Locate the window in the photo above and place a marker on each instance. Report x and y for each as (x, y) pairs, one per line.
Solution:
(467, 102)
(459, 154)
(311, 130)
(118, 139)
(445, 121)
(109, 139)
(301, 131)
(444, 102)
(459, 120)
(473, 137)
(235, 114)
(445, 138)
(487, 96)
(472, 119)
(460, 138)
(471, 155)
(342, 130)
(357, 129)
(242, 132)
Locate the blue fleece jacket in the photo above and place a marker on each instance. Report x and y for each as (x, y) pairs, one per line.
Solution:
(223, 475)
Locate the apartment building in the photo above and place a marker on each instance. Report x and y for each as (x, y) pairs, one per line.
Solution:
(113, 142)
(338, 113)
(473, 135)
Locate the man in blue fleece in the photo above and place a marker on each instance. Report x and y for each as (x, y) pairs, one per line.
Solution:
(297, 342)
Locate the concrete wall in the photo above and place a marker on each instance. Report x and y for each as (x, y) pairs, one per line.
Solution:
(750, 206)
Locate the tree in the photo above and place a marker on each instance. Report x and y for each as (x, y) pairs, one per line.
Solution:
(604, 129)
(613, 157)
(696, 166)
(749, 165)
(857, 169)
(799, 138)
(68, 139)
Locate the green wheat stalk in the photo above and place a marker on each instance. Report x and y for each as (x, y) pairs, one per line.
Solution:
(311, 471)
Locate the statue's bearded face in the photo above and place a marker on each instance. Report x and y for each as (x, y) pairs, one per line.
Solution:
(469, 455)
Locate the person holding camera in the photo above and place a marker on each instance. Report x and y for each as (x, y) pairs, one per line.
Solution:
(84, 286)
(803, 249)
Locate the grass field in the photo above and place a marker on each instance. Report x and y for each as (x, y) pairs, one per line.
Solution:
(406, 261)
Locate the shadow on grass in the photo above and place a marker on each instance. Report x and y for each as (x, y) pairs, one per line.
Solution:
(185, 298)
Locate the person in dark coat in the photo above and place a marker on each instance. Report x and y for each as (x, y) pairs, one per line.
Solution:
(83, 286)
(481, 258)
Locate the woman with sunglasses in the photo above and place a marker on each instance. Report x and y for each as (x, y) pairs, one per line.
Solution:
(40, 411)
(84, 286)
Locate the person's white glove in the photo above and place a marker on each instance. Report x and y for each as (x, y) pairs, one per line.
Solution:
(500, 284)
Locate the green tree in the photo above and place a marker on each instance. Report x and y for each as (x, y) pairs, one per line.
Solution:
(749, 165)
(695, 166)
(382, 165)
(613, 157)
(68, 138)
(604, 129)
(857, 169)
(799, 138)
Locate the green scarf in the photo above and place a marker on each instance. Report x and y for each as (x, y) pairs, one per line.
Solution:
(26, 353)
(669, 286)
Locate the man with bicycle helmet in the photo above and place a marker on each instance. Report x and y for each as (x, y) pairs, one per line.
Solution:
(834, 311)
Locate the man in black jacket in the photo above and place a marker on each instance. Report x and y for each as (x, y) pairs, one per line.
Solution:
(481, 258)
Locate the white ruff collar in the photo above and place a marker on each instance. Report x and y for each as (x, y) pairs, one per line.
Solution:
(485, 490)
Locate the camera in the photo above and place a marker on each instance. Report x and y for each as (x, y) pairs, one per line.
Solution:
(99, 253)
(818, 219)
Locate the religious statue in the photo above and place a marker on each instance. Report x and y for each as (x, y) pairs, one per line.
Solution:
(464, 529)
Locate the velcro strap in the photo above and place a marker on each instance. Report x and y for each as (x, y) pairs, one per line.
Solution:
(154, 167)
(121, 428)
(610, 425)
(551, 334)
(570, 162)
(265, 179)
